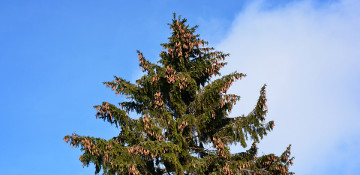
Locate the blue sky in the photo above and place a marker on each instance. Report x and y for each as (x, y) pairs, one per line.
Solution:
(56, 54)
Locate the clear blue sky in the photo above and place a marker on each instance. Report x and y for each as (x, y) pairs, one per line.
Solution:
(56, 54)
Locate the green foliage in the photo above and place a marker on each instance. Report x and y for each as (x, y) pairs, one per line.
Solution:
(181, 111)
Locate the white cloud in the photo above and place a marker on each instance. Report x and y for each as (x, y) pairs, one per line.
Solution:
(310, 58)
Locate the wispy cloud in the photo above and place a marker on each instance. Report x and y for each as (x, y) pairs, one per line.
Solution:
(309, 56)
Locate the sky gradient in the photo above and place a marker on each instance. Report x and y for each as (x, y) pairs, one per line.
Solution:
(56, 54)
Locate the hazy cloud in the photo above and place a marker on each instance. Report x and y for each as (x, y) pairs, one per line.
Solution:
(309, 55)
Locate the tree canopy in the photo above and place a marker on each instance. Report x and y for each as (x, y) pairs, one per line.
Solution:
(184, 126)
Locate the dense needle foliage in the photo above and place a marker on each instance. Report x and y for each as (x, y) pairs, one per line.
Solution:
(181, 111)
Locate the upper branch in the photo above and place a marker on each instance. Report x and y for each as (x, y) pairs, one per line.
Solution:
(252, 124)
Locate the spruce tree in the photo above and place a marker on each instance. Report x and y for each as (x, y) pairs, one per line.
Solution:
(184, 126)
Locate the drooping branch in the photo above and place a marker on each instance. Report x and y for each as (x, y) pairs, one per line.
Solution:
(110, 113)
(240, 127)
(123, 87)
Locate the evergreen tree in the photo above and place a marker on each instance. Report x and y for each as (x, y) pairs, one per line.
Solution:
(181, 111)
